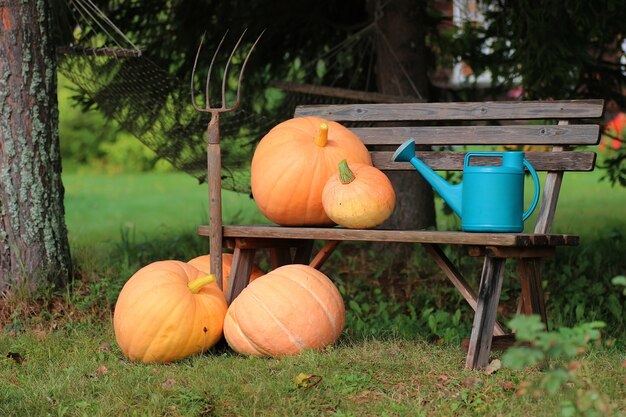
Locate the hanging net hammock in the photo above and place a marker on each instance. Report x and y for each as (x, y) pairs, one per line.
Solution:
(148, 102)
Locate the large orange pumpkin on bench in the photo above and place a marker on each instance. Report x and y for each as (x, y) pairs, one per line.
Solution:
(292, 308)
(292, 163)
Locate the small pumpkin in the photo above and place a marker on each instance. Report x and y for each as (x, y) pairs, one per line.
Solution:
(203, 263)
(168, 310)
(293, 161)
(292, 308)
(360, 196)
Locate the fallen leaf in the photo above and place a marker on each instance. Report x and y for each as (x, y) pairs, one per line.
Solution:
(523, 388)
(508, 385)
(169, 383)
(102, 370)
(493, 367)
(307, 381)
(472, 381)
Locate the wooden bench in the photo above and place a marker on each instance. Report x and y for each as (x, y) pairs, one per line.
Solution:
(562, 126)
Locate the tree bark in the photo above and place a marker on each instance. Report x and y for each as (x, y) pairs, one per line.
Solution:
(34, 248)
(401, 69)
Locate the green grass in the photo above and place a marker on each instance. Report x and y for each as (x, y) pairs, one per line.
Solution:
(399, 354)
(99, 206)
(79, 371)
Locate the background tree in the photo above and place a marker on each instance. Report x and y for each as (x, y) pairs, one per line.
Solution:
(554, 49)
(34, 247)
(365, 45)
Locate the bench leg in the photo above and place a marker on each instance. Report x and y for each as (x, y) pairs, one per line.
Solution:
(455, 276)
(324, 253)
(239, 272)
(532, 291)
(280, 257)
(303, 252)
(485, 316)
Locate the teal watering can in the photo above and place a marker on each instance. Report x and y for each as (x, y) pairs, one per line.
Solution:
(490, 198)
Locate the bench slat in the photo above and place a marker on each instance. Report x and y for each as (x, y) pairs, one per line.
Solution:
(377, 235)
(482, 135)
(489, 110)
(453, 161)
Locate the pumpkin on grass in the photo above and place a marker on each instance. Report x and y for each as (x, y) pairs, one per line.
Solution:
(292, 163)
(360, 196)
(292, 308)
(168, 310)
(203, 263)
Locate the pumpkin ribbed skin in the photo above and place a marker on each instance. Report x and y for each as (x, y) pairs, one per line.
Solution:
(291, 165)
(292, 308)
(203, 263)
(159, 319)
(366, 201)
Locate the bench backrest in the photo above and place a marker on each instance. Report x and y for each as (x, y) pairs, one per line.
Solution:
(549, 128)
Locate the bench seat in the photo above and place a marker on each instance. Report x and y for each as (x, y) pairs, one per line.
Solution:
(407, 236)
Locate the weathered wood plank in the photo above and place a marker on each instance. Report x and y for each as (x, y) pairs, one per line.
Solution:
(214, 168)
(498, 342)
(380, 235)
(488, 110)
(583, 134)
(343, 93)
(485, 316)
(455, 276)
(324, 253)
(512, 252)
(280, 256)
(239, 273)
(453, 161)
(532, 291)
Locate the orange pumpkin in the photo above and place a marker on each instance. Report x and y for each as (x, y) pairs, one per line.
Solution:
(360, 196)
(292, 163)
(168, 310)
(203, 263)
(292, 308)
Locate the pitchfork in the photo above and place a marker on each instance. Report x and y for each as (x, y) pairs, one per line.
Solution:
(214, 157)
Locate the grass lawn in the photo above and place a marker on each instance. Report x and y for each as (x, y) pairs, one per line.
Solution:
(79, 371)
(61, 359)
(98, 207)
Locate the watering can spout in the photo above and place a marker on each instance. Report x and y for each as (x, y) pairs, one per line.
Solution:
(451, 193)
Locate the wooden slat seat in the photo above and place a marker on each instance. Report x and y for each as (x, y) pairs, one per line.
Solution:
(406, 236)
(550, 132)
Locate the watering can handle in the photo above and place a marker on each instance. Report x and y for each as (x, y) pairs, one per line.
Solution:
(533, 173)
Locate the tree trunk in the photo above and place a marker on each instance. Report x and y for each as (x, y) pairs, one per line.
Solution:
(401, 69)
(34, 247)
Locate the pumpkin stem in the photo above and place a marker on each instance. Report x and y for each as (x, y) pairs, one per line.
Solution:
(346, 176)
(198, 283)
(322, 135)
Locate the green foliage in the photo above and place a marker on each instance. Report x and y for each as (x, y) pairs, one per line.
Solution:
(555, 351)
(564, 343)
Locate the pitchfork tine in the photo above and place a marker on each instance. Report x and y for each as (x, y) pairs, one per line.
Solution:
(207, 104)
(208, 76)
(243, 67)
(193, 73)
(226, 68)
